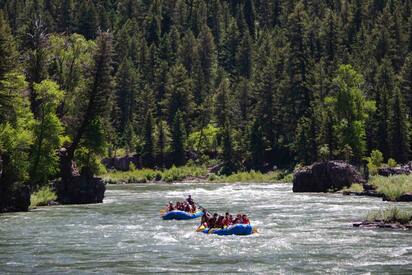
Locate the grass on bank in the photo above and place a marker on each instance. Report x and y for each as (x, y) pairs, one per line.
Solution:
(176, 174)
(149, 175)
(390, 215)
(394, 186)
(253, 177)
(356, 187)
(42, 197)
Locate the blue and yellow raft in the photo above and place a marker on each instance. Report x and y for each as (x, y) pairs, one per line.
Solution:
(236, 229)
(180, 215)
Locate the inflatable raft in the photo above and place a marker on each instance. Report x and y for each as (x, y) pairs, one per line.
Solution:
(237, 229)
(181, 215)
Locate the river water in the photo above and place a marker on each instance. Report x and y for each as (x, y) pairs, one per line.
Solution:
(298, 233)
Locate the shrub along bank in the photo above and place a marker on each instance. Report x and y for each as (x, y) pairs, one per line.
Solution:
(192, 173)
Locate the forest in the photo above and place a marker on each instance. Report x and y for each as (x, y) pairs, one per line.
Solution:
(251, 84)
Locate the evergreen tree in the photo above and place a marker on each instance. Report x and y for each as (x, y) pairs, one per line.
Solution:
(305, 139)
(249, 12)
(178, 140)
(257, 146)
(244, 57)
(222, 104)
(385, 84)
(67, 18)
(98, 98)
(207, 56)
(230, 44)
(7, 48)
(398, 129)
(406, 82)
(126, 79)
(148, 146)
(178, 96)
(88, 19)
(162, 141)
(227, 156)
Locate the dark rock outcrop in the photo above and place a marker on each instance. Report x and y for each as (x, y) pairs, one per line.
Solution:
(405, 198)
(369, 193)
(80, 189)
(325, 176)
(15, 198)
(399, 170)
(120, 163)
(382, 224)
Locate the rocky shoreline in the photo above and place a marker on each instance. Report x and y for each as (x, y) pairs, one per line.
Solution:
(372, 193)
(382, 224)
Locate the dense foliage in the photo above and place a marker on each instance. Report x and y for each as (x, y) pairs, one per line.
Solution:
(254, 83)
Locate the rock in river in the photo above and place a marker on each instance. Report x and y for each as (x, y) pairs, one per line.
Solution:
(325, 176)
(81, 189)
(398, 170)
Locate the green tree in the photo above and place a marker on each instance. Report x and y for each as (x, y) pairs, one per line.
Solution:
(47, 133)
(98, 97)
(351, 109)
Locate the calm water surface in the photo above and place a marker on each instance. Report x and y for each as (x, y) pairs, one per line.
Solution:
(299, 233)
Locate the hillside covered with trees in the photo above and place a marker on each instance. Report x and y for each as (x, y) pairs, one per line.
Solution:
(251, 83)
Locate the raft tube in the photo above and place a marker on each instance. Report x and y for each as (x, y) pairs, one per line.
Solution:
(237, 229)
(181, 215)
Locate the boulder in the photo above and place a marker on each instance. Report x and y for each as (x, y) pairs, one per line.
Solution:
(399, 170)
(325, 176)
(81, 189)
(405, 198)
(15, 199)
(120, 163)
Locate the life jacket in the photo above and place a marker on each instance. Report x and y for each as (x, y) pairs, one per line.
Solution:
(171, 208)
(237, 221)
(212, 223)
(246, 221)
(227, 222)
(219, 223)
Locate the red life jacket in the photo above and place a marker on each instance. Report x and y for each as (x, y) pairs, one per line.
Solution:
(246, 221)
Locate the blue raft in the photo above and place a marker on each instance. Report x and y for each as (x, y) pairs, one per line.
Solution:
(237, 229)
(181, 215)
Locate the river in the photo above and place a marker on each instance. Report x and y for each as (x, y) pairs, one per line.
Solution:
(298, 233)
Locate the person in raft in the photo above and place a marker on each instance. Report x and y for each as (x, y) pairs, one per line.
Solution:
(170, 206)
(182, 206)
(205, 218)
(222, 221)
(190, 200)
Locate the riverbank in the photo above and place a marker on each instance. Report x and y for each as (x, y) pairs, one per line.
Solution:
(391, 218)
(397, 188)
(193, 174)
